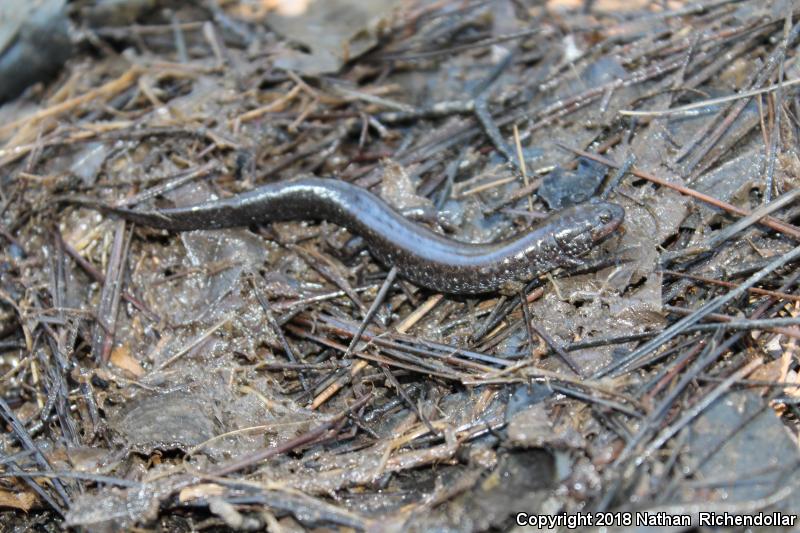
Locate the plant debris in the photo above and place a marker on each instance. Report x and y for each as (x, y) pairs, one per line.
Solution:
(278, 377)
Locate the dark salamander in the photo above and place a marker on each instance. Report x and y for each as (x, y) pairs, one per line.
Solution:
(420, 255)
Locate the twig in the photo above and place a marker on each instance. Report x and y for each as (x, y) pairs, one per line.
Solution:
(630, 360)
(777, 225)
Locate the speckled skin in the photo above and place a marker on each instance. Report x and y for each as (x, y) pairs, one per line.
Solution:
(420, 255)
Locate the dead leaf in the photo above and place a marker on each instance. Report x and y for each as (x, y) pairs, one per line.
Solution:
(203, 490)
(334, 32)
(17, 500)
(121, 358)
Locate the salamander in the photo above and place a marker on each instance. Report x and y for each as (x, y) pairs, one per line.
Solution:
(422, 256)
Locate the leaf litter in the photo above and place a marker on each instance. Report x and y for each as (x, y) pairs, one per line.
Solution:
(277, 376)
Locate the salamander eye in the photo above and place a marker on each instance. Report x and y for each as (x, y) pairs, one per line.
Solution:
(605, 216)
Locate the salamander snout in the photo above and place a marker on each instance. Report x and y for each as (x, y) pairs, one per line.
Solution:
(608, 218)
(583, 226)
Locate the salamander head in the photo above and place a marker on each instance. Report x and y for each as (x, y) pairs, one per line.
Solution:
(582, 227)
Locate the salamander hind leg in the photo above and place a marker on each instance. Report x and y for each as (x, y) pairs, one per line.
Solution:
(511, 287)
